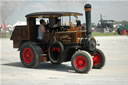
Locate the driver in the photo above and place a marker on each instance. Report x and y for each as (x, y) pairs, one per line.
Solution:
(57, 25)
(41, 29)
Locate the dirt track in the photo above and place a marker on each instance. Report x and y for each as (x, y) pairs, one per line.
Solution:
(115, 71)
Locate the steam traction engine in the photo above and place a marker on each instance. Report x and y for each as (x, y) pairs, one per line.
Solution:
(77, 46)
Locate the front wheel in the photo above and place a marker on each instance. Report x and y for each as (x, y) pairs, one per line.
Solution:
(98, 59)
(82, 62)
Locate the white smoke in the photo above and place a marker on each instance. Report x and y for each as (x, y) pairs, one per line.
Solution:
(8, 7)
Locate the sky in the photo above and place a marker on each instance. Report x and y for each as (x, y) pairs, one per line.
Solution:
(12, 11)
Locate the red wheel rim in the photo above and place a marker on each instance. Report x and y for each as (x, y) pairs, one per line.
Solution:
(55, 53)
(96, 59)
(28, 55)
(56, 49)
(80, 62)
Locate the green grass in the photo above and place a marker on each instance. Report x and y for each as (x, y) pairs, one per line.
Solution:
(7, 36)
(104, 34)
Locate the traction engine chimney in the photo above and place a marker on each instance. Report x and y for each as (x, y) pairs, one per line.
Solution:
(87, 8)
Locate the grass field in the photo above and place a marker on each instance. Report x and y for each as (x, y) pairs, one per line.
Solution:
(104, 34)
(5, 35)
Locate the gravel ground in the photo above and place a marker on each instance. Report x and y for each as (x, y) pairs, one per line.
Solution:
(115, 71)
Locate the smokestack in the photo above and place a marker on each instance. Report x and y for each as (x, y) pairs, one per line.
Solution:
(87, 8)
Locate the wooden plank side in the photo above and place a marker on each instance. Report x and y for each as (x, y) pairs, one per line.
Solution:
(16, 43)
(66, 37)
(24, 34)
(70, 36)
(19, 33)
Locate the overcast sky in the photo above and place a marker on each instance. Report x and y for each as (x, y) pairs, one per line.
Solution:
(15, 10)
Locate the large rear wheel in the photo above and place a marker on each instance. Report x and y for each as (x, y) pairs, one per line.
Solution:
(82, 62)
(30, 54)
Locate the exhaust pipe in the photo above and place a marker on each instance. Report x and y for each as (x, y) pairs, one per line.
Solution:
(87, 8)
(88, 42)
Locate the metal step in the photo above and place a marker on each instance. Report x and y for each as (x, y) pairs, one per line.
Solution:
(43, 54)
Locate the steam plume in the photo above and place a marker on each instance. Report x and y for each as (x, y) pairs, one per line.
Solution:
(8, 7)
